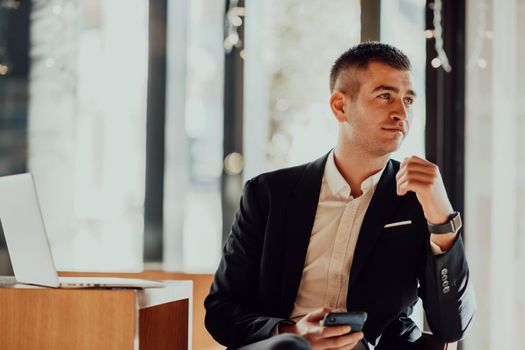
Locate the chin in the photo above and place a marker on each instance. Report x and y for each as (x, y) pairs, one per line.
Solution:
(393, 145)
(388, 149)
(384, 147)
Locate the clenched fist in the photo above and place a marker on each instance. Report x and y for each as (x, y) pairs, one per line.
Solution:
(424, 179)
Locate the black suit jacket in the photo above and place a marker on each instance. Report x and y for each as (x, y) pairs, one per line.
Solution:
(258, 277)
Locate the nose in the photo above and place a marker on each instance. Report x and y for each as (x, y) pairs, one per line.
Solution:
(399, 112)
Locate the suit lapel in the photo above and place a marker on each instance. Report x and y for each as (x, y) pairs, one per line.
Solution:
(382, 207)
(300, 216)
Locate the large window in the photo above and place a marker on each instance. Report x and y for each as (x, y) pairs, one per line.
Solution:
(82, 132)
(495, 171)
(290, 47)
(84, 123)
(193, 162)
(86, 129)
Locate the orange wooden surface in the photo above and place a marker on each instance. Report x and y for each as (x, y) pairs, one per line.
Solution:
(69, 319)
(163, 327)
(202, 340)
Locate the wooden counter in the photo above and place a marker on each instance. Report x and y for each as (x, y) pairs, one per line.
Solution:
(47, 318)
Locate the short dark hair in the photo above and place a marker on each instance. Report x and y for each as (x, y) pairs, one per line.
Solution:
(371, 51)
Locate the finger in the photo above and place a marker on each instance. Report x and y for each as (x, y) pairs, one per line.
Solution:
(318, 314)
(343, 340)
(412, 185)
(419, 174)
(416, 176)
(315, 331)
(427, 168)
(334, 331)
(416, 159)
(409, 167)
(430, 170)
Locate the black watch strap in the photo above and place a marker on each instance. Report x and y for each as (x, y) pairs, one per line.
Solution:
(452, 225)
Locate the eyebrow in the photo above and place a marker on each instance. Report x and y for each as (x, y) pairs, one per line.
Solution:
(394, 89)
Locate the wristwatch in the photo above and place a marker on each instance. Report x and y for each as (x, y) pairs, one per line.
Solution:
(451, 226)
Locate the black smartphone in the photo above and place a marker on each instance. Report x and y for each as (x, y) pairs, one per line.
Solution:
(354, 319)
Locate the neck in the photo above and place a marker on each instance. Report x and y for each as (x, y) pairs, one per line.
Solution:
(356, 165)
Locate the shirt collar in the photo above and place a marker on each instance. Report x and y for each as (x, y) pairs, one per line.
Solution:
(337, 183)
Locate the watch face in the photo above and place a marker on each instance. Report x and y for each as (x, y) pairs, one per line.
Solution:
(456, 222)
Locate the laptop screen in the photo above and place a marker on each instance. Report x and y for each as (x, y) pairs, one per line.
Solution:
(25, 232)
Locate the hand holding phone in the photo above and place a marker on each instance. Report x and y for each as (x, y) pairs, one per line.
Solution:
(310, 328)
(354, 319)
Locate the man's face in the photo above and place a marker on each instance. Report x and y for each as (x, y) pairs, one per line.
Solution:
(378, 117)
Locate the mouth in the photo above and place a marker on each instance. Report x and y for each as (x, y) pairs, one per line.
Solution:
(395, 130)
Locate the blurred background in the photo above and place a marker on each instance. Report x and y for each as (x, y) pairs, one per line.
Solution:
(140, 121)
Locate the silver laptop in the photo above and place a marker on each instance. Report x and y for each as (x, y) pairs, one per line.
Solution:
(28, 245)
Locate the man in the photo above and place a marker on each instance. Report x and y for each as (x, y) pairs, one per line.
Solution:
(353, 230)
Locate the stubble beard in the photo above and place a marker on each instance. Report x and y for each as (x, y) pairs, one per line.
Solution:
(379, 149)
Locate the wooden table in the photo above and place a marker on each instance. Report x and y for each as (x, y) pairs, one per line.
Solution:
(46, 318)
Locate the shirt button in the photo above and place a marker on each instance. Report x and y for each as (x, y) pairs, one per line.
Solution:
(445, 284)
(444, 278)
(444, 271)
(446, 290)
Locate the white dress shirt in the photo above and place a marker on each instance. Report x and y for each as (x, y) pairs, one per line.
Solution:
(332, 244)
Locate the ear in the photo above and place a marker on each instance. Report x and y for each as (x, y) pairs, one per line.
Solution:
(337, 105)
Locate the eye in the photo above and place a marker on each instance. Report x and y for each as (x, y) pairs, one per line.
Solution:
(408, 101)
(385, 96)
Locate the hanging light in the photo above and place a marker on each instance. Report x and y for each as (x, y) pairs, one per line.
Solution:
(10, 4)
(233, 21)
(3, 69)
(438, 37)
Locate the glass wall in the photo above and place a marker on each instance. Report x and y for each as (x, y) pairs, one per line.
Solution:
(85, 126)
(87, 129)
(82, 132)
(290, 48)
(194, 129)
(495, 171)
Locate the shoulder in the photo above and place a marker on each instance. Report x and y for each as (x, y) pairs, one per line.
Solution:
(284, 178)
(287, 179)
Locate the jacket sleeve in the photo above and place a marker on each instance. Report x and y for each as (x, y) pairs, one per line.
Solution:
(447, 292)
(233, 317)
